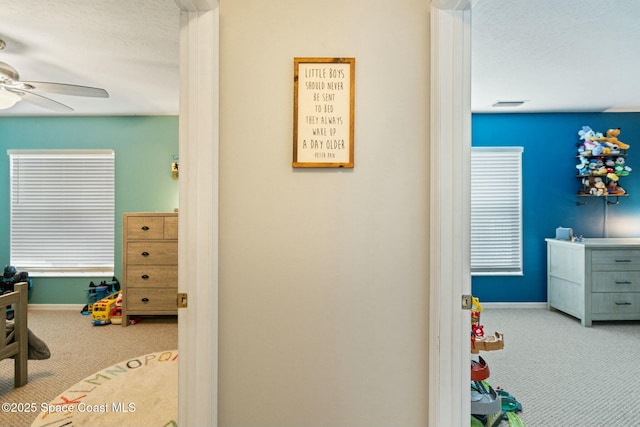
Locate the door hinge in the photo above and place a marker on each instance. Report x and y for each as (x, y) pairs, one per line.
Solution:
(467, 302)
(182, 300)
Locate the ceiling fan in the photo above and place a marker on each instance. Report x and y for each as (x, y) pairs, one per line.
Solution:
(12, 90)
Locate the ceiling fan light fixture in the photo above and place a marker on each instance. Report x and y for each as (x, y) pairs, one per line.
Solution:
(508, 103)
(8, 99)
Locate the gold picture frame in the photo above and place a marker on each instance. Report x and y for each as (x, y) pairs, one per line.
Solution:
(323, 99)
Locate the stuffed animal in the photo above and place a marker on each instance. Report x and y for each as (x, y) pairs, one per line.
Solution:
(621, 169)
(598, 167)
(591, 145)
(588, 136)
(612, 140)
(586, 133)
(612, 186)
(583, 166)
(598, 188)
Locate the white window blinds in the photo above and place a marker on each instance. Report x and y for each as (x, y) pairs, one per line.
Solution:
(62, 212)
(496, 210)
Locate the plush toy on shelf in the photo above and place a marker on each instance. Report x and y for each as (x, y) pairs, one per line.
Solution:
(612, 140)
(612, 186)
(621, 169)
(599, 188)
(610, 164)
(583, 166)
(591, 146)
(600, 168)
(593, 186)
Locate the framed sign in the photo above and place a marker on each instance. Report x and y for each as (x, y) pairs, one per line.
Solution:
(323, 99)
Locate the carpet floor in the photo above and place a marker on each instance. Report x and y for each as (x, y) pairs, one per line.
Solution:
(78, 351)
(566, 375)
(138, 392)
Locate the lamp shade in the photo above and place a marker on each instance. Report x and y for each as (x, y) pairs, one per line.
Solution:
(8, 99)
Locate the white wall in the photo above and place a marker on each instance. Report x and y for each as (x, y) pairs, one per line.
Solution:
(323, 287)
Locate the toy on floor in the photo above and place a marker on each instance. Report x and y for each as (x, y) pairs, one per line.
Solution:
(480, 341)
(116, 311)
(10, 277)
(101, 313)
(97, 292)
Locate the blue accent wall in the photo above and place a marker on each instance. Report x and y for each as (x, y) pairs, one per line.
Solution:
(144, 149)
(550, 187)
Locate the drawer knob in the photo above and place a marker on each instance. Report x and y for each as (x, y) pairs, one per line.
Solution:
(145, 300)
(623, 303)
(623, 282)
(145, 254)
(144, 277)
(145, 228)
(623, 260)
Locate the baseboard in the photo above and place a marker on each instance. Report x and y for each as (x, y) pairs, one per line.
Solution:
(56, 307)
(498, 305)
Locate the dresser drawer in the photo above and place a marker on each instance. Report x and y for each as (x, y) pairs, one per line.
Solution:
(148, 253)
(615, 281)
(141, 300)
(615, 260)
(171, 227)
(152, 276)
(615, 303)
(145, 227)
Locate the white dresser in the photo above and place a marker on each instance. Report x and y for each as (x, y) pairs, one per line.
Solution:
(597, 279)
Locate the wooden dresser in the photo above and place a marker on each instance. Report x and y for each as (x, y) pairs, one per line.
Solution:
(149, 264)
(597, 279)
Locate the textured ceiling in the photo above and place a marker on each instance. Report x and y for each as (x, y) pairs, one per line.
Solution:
(558, 55)
(128, 47)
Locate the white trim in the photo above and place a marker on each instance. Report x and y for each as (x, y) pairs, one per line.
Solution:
(198, 218)
(450, 278)
(61, 151)
(509, 149)
(34, 272)
(447, 376)
(518, 305)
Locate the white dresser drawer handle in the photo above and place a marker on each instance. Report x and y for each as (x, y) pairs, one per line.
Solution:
(623, 260)
(623, 303)
(623, 282)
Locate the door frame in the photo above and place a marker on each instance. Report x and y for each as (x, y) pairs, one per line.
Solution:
(449, 277)
(198, 218)
(450, 274)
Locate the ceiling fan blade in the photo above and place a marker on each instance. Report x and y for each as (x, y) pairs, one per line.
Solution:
(66, 89)
(42, 101)
(8, 72)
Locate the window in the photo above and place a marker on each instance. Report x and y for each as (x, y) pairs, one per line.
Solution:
(62, 212)
(496, 210)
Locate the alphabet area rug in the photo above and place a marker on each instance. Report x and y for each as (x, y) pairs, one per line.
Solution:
(138, 392)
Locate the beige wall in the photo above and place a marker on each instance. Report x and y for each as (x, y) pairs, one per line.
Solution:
(323, 284)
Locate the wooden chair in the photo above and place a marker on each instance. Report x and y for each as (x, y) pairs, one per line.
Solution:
(15, 344)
